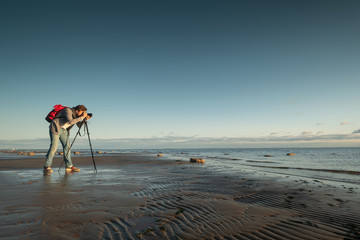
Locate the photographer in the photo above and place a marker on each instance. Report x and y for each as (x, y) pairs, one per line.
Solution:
(60, 130)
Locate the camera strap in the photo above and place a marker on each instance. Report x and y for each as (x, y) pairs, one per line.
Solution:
(83, 123)
(83, 133)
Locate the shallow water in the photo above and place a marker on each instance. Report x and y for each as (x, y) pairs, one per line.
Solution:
(340, 165)
(334, 164)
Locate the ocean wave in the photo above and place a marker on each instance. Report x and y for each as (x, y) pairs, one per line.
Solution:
(255, 161)
(312, 169)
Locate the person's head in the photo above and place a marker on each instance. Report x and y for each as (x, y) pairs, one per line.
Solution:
(79, 109)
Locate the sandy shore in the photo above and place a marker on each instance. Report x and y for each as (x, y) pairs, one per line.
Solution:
(145, 197)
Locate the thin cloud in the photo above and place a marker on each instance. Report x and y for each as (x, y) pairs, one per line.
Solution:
(346, 123)
(306, 133)
(319, 124)
(274, 133)
(306, 139)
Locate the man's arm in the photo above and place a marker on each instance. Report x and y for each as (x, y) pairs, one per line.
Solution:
(69, 117)
(87, 118)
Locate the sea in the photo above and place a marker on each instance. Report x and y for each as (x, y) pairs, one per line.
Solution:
(333, 165)
(337, 165)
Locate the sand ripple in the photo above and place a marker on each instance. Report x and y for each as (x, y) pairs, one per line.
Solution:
(146, 199)
(201, 210)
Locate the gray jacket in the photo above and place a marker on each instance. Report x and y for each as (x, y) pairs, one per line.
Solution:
(67, 115)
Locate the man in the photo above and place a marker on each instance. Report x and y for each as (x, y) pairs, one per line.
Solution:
(60, 130)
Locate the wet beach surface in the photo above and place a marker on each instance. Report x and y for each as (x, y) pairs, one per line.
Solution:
(138, 196)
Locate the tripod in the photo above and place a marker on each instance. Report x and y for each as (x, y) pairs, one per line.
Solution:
(84, 122)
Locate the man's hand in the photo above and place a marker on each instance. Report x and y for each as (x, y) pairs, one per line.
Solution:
(84, 115)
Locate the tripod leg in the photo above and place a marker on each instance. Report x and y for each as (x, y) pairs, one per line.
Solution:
(78, 133)
(92, 154)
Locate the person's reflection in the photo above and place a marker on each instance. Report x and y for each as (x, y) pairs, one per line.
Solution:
(55, 200)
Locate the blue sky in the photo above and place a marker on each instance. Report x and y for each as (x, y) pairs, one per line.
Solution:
(204, 73)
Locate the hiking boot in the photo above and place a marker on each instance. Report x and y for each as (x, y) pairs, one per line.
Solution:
(72, 169)
(48, 170)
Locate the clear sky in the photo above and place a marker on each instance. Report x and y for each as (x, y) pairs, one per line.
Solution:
(183, 73)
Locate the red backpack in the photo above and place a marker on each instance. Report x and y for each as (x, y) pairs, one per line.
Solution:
(56, 110)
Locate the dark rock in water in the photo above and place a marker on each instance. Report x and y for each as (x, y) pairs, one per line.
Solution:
(267, 156)
(197, 160)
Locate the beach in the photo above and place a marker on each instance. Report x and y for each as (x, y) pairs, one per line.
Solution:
(142, 196)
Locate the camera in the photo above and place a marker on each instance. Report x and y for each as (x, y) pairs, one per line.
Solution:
(90, 114)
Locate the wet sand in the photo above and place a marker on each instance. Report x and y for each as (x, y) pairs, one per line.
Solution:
(135, 196)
